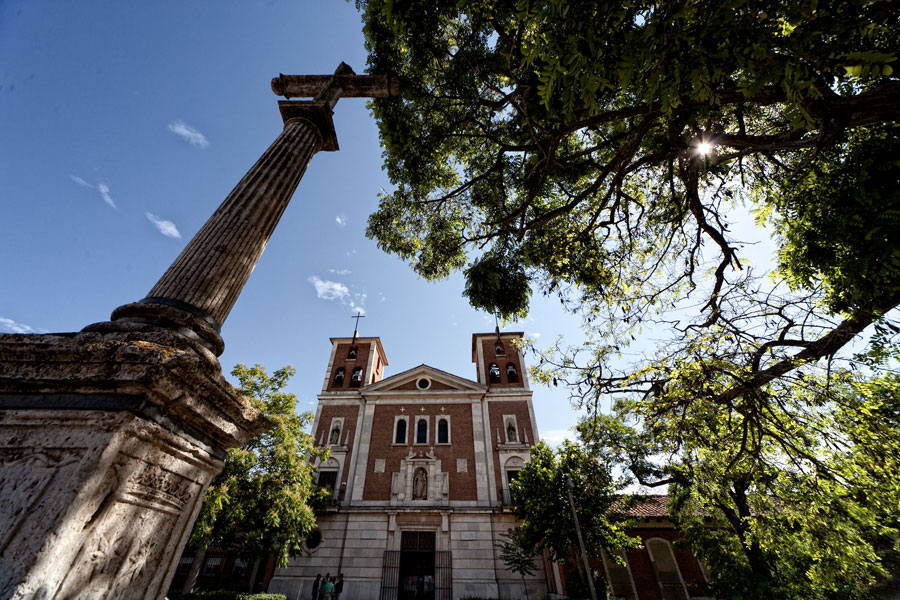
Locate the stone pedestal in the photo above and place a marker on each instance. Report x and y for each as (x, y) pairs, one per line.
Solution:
(108, 441)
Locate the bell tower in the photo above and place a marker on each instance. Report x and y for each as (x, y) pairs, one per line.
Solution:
(498, 359)
(355, 362)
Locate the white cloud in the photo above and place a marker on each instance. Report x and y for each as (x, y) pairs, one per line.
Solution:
(339, 272)
(341, 220)
(335, 290)
(104, 193)
(329, 290)
(191, 135)
(10, 326)
(555, 437)
(536, 336)
(100, 187)
(167, 228)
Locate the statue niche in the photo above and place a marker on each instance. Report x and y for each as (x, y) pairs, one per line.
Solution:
(420, 484)
(511, 432)
(335, 435)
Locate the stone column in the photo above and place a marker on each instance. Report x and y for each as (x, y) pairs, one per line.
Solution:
(109, 437)
(197, 292)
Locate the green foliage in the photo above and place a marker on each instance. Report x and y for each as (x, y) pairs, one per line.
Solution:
(800, 504)
(541, 502)
(839, 220)
(260, 503)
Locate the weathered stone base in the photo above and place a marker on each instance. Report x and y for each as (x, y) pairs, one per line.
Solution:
(354, 543)
(107, 445)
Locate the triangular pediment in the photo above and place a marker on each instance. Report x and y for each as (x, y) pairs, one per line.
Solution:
(438, 381)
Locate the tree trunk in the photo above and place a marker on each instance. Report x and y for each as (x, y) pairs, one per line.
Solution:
(191, 580)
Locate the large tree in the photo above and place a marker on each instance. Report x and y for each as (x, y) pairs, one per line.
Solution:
(602, 151)
(607, 153)
(261, 503)
(541, 502)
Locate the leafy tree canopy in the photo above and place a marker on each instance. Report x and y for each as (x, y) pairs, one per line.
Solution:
(802, 506)
(604, 151)
(259, 504)
(541, 502)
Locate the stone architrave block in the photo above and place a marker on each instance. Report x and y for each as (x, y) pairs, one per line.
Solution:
(379, 465)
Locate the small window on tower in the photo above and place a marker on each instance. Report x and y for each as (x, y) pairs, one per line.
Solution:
(494, 373)
(511, 374)
(499, 349)
(356, 377)
(352, 352)
(339, 377)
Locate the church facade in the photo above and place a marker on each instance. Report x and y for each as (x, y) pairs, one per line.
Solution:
(420, 467)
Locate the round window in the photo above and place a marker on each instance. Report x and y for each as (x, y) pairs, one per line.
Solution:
(423, 383)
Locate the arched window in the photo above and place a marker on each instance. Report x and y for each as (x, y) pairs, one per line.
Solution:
(352, 352)
(339, 377)
(422, 432)
(499, 348)
(511, 374)
(400, 436)
(356, 377)
(494, 373)
(666, 568)
(443, 432)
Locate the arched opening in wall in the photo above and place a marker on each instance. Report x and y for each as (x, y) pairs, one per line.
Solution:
(422, 432)
(666, 568)
(351, 354)
(339, 377)
(511, 374)
(400, 435)
(494, 373)
(618, 576)
(499, 349)
(443, 432)
(356, 377)
(313, 540)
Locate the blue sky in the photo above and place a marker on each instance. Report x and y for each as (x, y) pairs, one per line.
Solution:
(125, 124)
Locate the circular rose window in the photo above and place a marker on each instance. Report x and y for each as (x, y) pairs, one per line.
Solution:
(423, 383)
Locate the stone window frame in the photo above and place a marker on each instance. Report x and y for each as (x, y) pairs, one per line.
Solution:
(397, 419)
(419, 419)
(437, 438)
(515, 421)
(668, 546)
(419, 380)
(341, 432)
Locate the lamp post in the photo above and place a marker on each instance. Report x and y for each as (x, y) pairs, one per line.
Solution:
(570, 485)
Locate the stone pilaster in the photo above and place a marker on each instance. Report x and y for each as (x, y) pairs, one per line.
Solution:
(197, 292)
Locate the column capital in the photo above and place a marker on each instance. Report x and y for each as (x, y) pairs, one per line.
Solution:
(315, 112)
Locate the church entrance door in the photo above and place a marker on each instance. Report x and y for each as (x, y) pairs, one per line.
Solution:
(416, 565)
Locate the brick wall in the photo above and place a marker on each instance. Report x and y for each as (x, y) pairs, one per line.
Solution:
(496, 410)
(462, 485)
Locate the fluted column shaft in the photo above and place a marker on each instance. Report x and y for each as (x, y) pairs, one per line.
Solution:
(211, 271)
(198, 290)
